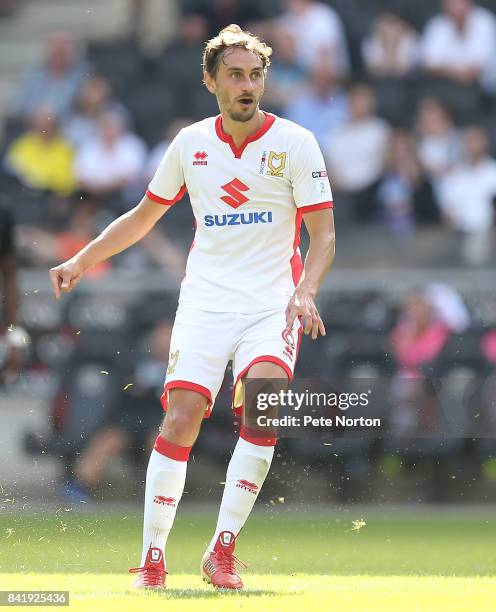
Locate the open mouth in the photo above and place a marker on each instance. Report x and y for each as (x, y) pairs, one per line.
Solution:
(245, 101)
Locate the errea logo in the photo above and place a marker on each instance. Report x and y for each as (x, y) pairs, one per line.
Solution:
(246, 485)
(164, 501)
(200, 158)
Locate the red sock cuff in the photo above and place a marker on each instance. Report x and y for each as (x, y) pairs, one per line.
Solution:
(254, 437)
(171, 450)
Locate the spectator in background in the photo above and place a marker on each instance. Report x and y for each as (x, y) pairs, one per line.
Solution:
(179, 61)
(448, 306)
(460, 43)
(7, 7)
(417, 340)
(439, 144)
(418, 337)
(55, 82)
(219, 13)
(466, 197)
(133, 422)
(94, 99)
(158, 151)
(112, 160)
(404, 193)
(164, 245)
(484, 399)
(109, 168)
(41, 247)
(149, 22)
(392, 47)
(488, 347)
(42, 158)
(356, 152)
(287, 78)
(319, 34)
(322, 106)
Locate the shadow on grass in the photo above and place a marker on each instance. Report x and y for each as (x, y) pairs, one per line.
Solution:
(204, 594)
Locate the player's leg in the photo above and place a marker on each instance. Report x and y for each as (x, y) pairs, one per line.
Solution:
(264, 351)
(197, 361)
(165, 478)
(246, 473)
(250, 462)
(166, 472)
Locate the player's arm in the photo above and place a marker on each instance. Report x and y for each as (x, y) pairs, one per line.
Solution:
(122, 233)
(320, 226)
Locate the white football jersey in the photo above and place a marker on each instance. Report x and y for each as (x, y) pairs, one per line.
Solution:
(248, 203)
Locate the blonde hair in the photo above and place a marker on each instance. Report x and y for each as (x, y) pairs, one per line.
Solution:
(229, 37)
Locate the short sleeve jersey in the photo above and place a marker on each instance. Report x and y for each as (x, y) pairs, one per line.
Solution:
(248, 202)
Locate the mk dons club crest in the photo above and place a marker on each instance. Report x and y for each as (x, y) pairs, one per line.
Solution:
(276, 163)
(172, 362)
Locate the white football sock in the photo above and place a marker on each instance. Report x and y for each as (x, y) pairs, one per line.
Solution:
(245, 476)
(165, 479)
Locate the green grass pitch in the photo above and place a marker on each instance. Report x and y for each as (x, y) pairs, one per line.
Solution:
(297, 561)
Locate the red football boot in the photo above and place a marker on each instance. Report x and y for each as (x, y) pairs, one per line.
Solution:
(218, 567)
(152, 574)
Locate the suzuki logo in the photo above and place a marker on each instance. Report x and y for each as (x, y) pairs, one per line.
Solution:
(238, 219)
(234, 189)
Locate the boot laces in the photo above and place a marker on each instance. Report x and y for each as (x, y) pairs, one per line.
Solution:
(227, 562)
(150, 575)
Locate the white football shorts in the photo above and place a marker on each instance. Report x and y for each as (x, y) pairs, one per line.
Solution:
(203, 342)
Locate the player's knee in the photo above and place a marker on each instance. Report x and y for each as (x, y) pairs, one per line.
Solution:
(179, 424)
(184, 416)
(267, 369)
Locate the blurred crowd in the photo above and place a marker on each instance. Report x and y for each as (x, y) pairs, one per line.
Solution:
(429, 357)
(401, 97)
(402, 112)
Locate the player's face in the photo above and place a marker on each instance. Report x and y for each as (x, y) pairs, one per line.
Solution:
(238, 83)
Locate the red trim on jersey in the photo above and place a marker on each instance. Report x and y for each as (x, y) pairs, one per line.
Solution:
(163, 201)
(253, 436)
(238, 151)
(238, 411)
(295, 261)
(271, 359)
(189, 386)
(312, 207)
(171, 450)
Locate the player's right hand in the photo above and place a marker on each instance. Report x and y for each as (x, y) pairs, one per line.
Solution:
(65, 277)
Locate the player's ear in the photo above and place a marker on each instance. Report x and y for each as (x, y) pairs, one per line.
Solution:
(209, 81)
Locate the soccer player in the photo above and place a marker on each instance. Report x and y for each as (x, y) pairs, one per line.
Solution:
(252, 177)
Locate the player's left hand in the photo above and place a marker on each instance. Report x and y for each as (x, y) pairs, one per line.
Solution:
(302, 304)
